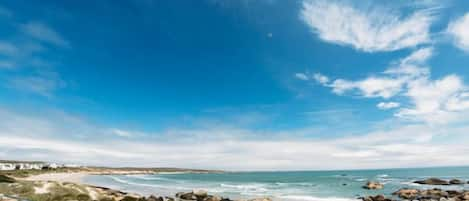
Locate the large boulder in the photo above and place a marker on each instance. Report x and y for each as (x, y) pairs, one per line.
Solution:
(200, 194)
(434, 193)
(371, 185)
(456, 182)
(432, 181)
(407, 193)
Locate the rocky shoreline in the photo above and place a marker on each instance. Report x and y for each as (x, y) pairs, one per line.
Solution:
(12, 189)
(429, 194)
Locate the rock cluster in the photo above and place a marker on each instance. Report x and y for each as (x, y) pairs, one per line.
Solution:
(371, 185)
(436, 181)
(201, 195)
(424, 195)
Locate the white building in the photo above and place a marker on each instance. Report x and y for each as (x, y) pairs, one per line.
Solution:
(18, 165)
(7, 166)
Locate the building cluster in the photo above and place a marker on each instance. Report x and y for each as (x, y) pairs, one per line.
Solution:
(20, 165)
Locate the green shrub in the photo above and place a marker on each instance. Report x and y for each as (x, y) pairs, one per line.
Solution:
(6, 179)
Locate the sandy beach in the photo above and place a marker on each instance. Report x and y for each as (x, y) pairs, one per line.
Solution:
(75, 177)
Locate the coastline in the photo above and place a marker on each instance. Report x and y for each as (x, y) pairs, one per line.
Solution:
(278, 186)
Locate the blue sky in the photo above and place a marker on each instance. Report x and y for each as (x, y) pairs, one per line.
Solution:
(354, 84)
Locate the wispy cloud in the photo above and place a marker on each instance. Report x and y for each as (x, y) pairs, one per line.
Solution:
(440, 100)
(370, 30)
(301, 76)
(388, 105)
(43, 84)
(459, 31)
(42, 32)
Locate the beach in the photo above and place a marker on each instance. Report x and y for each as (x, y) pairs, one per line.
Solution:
(73, 177)
(278, 186)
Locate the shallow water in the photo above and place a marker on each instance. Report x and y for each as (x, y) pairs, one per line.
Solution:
(297, 185)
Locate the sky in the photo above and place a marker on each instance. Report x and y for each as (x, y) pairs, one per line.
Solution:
(236, 85)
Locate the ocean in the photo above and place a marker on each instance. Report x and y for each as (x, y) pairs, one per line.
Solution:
(294, 185)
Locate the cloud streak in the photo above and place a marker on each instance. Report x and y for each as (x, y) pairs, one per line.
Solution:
(44, 33)
(371, 30)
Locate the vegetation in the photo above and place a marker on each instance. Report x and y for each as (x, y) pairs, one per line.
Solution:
(56, 191)
(27, 173)
(6, 179)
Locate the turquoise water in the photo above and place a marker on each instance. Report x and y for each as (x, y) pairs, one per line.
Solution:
(298, 185)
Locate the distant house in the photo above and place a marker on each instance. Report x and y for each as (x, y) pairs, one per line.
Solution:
(7, 166)
(21, 165)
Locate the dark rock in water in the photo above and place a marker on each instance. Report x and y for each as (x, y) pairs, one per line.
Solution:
(456, 181)
(432, 181)
(371, 185)
(375, 198)
(344, 184)
(407, 193)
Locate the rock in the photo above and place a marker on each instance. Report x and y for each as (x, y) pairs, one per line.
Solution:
(373, 185)
(375, 198)
(186, 196)
(407, 193)
(213, 198)
(200, 194)
(452, 193)
(154, 198)
(464, 195)
(432, 181)
(456, 181)
(261, 199)
(169, 198)
(434, 193)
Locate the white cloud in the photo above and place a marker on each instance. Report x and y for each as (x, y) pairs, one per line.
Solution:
(322, 79)
(370, 30)
(388, 105)
(459, 31)
(121, 133)
(301, 76)
(44, 33)
(64, 138)
(439, 101)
